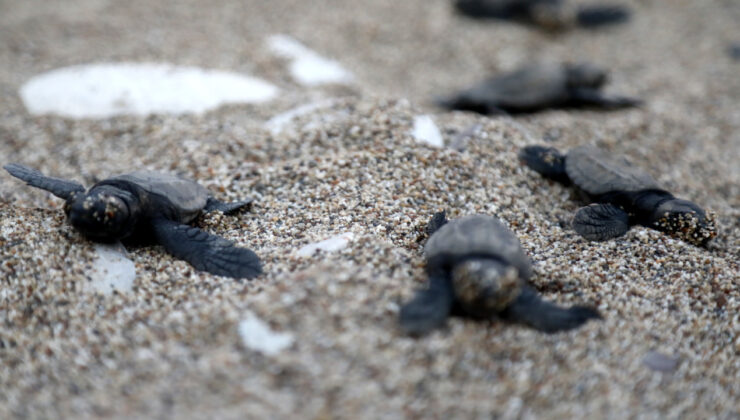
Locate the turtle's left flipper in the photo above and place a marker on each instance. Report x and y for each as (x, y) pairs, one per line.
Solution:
(61, 188)
(530, 309)
(591, 97)
(227, 208)
(206, 252)
(429, 308)
(600, 222)
(596, 16)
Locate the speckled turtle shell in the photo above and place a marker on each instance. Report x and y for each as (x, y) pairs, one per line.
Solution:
(597, 173)
(186, 198)
(477, 235)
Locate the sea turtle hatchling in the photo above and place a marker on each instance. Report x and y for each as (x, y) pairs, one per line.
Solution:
(623, 196)
(551, 15)
(536, 87)
(477, 266)
(146, 205)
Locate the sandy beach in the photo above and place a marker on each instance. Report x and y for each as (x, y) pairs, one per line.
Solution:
(346, 165)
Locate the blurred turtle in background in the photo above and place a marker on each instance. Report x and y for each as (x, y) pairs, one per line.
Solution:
(552, 15)
(537, 87)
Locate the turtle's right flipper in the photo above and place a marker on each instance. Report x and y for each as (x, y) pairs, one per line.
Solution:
(227, 208)
(478, 9)
(600, 222)
(595, 16)
(438, 220)
(206, 252)
(61, 188)
(547, 161)
(429, 308)
(594, 98)
(530, 309)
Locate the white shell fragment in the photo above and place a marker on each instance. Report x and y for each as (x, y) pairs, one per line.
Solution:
(109, 89)
(426, 131)
(335, 243)
(279, 122)
(112, 270)
(307, 67)
(257, 335)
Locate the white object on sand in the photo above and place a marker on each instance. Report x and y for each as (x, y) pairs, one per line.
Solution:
(426, 131)
(277, 124)
(335, 243)
(307, 66)
(257, 335)
(109, 89)
(112, 270)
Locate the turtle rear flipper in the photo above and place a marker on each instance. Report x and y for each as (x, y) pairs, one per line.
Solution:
(206, 252)
(61, 188)
(600, 222)
(546, 161)
(429, 308)
(592, 97)
(530, 309)
(595, 16)
(227, 208)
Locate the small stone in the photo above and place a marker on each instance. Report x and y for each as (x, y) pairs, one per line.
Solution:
(660, 362)
(257, 335)
(112, 270)
(335, 243)
(426, 131)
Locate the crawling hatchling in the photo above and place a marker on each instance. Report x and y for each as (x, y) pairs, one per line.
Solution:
(551, 15)
(147, 206)
(477, 267)
(536, 87)
(623, 196)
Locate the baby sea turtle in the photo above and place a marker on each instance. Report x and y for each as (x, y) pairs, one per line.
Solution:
(624, 196)
(477, 267)
(552, 15)
(149, 205)
(537, 87)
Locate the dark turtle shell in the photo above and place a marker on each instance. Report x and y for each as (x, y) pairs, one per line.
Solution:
(477, 235)
(185, 196)
(595, 172)
(528, 88)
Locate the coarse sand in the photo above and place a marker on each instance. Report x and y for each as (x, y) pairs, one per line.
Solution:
(172, 347)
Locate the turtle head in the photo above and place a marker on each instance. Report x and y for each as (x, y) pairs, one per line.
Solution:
(104, 213)
(585, 76)
(485, 286)
(686, 220)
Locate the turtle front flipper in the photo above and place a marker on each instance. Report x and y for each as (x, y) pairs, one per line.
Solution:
(206, 252)
(530, 309)
(592, 97)
(61, 188)
(227, 208)
(429, 308)
(438, 220)
(600, 222)
(547, 161)
(596, 16)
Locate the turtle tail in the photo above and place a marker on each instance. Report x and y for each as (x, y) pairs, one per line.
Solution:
(595, 16)
(530, 309)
